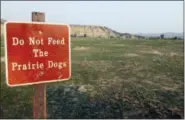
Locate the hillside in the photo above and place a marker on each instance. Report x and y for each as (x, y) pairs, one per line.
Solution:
(105, 32)
(93, 31)
(100, 31)
(166, 35)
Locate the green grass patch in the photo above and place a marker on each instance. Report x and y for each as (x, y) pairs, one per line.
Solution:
(111, 78)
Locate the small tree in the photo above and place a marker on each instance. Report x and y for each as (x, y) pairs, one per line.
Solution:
(162, 36)
(175, 38)
(111, 36)
(74, 35)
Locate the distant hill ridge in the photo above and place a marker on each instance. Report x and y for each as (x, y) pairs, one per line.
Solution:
(101, 32)
(92, 31)
(166, 35)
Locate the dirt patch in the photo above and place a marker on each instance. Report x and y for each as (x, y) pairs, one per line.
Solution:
(85, 88)
(131, 55)
(97, 65)
(149, 82)
(156, 52)
(2, 59)
(119, 45)
(172, 54)
(170, 88)
(81, 48)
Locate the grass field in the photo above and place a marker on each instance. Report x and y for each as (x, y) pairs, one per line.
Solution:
(110, 79)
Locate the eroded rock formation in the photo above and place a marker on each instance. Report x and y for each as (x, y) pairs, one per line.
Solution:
(92, 31)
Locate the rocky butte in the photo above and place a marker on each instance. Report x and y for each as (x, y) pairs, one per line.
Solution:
(92, 31)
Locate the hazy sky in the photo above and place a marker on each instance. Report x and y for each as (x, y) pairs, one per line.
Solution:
(122, 16)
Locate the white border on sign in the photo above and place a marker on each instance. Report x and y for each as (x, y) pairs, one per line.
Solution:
(6, 56)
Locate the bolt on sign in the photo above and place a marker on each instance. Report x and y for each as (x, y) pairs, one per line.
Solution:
(37, 52)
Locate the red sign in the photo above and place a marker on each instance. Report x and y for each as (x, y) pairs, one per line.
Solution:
(37, 53)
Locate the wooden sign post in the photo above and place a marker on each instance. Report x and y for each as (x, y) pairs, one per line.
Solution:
(37, 53)
(39, 96)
